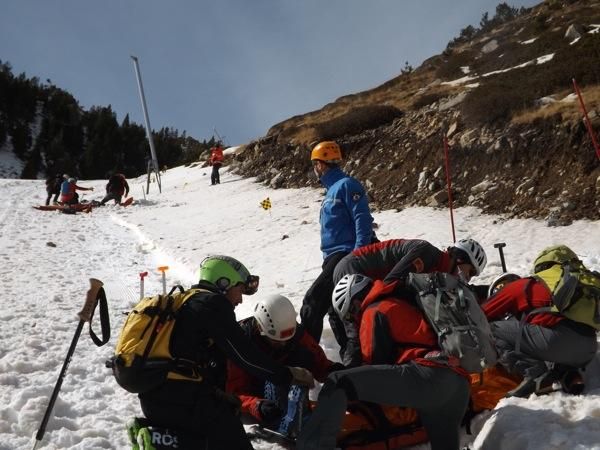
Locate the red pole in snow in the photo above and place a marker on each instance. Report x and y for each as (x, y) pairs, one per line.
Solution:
(142, 276)
(588, 124)
(449, 185)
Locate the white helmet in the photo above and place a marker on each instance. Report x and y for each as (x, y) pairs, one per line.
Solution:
(475, 252)
(276, 317)
(502, 280)
(346, 289)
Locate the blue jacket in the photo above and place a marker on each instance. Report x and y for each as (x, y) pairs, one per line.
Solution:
(346, 222)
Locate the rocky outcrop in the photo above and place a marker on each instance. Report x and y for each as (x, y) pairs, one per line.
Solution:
(547, 170)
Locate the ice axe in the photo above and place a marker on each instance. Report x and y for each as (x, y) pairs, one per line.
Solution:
(163, 270)
(142, 276)
(94, 295)
(500, 246)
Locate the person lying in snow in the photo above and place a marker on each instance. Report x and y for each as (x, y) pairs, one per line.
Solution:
(542, 346)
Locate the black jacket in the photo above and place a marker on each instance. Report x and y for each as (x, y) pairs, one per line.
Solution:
(206, 331)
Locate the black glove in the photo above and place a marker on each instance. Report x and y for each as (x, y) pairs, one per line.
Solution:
(230, 399)
(336, 366)
(269, 410)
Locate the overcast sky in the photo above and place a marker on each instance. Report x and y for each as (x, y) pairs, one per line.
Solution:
(238, 65)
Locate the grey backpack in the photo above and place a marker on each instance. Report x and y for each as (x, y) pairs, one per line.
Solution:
(452, 310)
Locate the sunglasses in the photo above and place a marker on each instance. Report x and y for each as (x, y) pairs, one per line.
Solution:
(251, 285)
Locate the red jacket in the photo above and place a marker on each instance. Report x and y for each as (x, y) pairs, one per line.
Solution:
(216, 156)
(300, 351)
(394, 331)
(520, 297)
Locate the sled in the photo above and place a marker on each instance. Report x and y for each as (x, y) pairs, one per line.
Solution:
(127, 202)
(259, 432)
(68, 209)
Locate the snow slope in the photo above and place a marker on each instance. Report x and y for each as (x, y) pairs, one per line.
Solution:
(47, 258)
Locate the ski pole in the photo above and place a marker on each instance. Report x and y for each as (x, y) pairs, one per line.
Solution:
(500, 246)
(92, 297)
(142, 275)
(163, 269)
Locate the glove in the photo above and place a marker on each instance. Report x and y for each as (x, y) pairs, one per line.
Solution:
(269, 410)
(302, 376)
(229, 398)
(337, 366)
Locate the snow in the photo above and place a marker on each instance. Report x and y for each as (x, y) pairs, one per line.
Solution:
(529, 41)
(539, 60)
(569, 98)
(10, 165)
(43, 288)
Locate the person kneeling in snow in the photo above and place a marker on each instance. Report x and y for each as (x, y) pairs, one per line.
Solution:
(394, 259)
(274, 330)
(207, 333)
(404, 367)
(115, 188)
(68, 194)
(541, 346)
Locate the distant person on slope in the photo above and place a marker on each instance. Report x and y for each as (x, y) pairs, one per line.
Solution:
(216, 161)
(206, 333)
(53, 188)
(273, 329)
(68, 194)
(346, 224)
(115, 189)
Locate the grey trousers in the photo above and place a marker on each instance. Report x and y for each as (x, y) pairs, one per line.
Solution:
(439, 395)
(568, 343)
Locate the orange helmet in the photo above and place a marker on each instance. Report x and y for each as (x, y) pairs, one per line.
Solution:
(327, 151)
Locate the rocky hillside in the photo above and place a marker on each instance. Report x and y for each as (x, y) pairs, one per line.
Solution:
(501, 95)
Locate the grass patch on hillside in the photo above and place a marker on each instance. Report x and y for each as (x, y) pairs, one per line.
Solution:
(503, 95)
(357, 120)
(569, 111)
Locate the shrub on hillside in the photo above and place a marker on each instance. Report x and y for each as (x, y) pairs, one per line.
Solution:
(357, 120)
(426, 100)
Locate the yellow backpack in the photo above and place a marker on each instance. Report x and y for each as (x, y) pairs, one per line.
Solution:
(143, 359)
(575, 289)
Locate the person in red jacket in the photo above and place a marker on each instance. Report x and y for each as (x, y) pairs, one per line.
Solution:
(404, 369)
(216, 161)
(68, 191)
(394, 259)
(531, 344)
(274, 330)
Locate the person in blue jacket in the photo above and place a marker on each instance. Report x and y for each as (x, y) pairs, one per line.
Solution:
(346, 224)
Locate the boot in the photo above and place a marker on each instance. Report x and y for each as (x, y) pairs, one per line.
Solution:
(523, 390)
(572, 382)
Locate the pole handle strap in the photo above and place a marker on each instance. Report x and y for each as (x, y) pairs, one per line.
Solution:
(104, 320)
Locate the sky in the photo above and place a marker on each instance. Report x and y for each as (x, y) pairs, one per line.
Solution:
(47, 259)
(236, 66)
